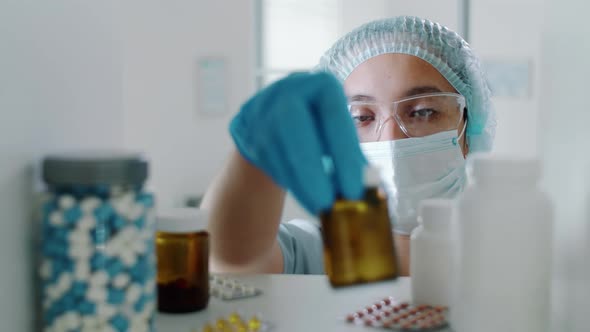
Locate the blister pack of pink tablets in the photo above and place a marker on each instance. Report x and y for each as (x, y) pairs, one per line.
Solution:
(400, 316)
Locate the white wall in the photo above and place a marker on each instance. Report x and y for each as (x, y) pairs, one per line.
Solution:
(445, 12)
(163, 40)
(60, 88)
(355, 13)
(509, 30)
(563, 142)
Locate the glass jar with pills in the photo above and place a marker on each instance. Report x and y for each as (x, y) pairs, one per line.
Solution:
(97, 264)
(182, 249)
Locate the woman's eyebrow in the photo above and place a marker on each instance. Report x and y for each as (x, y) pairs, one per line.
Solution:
(421, 89)
(409, 93)
(362, 98)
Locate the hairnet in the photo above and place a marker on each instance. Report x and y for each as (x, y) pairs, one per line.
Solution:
(444, 49)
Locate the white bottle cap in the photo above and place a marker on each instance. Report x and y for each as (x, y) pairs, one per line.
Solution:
(436, 212)
(372, 176)
(182, 220)
(485, 166)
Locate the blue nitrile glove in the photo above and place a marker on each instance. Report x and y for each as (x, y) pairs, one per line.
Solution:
(291, 128)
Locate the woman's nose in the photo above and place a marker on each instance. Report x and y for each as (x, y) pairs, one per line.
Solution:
(391, 131)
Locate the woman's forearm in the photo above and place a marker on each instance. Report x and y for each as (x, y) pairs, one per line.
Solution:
(245, 208)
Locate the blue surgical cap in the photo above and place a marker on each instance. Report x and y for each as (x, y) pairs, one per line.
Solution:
(444, 49)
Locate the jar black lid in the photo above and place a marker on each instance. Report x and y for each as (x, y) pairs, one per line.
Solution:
(95, 168)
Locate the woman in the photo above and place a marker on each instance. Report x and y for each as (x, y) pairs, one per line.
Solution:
(419, 103)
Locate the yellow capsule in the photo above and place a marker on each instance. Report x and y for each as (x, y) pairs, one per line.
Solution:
(241, 327)
(222, 324)
(254, 324)
(208, 328)
(235, 318)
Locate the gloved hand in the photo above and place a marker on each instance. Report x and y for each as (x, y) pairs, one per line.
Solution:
(299, 132)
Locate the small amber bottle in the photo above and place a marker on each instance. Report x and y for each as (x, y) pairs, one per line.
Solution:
(182, 248)
(358, 241)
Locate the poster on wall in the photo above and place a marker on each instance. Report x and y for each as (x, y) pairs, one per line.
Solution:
(509, 78)
(211, 85)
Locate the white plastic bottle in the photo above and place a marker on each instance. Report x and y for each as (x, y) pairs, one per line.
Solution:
(430, 253)
(502, 266)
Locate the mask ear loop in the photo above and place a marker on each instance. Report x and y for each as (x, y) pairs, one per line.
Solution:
(456, 139)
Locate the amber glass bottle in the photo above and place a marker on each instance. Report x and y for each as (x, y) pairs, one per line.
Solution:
(358, 241)
(182, 248)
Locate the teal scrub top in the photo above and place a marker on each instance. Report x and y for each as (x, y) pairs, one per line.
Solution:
(302, 247)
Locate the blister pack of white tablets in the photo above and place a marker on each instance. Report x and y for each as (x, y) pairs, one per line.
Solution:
(230, 289)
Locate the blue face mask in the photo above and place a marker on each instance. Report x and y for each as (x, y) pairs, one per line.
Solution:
(414, 169)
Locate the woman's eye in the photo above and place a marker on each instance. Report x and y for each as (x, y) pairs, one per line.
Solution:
(361, 120)
(422, 113)
(362, 115)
